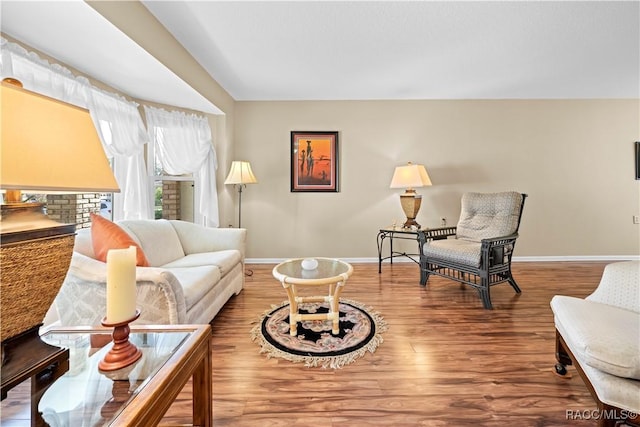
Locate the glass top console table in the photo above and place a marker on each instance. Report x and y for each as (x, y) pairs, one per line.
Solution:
(138, 395)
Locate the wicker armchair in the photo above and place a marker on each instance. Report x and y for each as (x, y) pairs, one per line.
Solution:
(478, 251)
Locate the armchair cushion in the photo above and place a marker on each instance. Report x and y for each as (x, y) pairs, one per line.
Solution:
(487, 215)
(611, 346)
(460, 251)
(106, 235)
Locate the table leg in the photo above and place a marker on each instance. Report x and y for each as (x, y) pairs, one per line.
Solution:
(202, 384)
(293, 309)
(40, 382)
(335, 307)
(379, 241)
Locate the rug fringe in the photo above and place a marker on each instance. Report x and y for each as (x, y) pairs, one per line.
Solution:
(333, 362)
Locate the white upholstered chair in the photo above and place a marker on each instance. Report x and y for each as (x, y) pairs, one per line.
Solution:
(600, 337)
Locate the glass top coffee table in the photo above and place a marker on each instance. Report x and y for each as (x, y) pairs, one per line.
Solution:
(328, 272)
(138, 395)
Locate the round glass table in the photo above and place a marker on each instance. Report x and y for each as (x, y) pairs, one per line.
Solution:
(328, 272)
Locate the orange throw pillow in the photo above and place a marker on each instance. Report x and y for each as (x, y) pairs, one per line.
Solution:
(107, 235)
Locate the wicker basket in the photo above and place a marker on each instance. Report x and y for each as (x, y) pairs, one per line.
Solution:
(31, 273)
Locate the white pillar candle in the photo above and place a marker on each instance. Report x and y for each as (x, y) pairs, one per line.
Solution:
(121, 284)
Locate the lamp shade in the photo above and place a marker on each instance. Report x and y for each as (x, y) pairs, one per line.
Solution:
(410, 176)
(241, 173)
(50, 146)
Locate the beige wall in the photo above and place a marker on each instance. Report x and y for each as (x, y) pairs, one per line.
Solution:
(573, 157)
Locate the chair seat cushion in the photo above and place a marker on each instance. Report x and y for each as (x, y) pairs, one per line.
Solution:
(458, 250)
(605, 337)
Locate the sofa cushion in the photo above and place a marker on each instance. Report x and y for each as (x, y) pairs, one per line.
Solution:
(605, 337)
(487, 215)
(196, 282)
(158, 239)
(224, 260)
(106, 235)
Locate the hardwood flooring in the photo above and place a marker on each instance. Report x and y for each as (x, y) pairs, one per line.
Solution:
(445, 361)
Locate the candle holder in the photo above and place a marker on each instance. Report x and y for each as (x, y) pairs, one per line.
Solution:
(123, 353)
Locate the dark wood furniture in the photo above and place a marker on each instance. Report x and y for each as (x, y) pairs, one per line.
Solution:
(27, 356)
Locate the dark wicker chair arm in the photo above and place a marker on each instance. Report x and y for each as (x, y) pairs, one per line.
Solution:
(439, 232)
(499, 241)
(497, 250)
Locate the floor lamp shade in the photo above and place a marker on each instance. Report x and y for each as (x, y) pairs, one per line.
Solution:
(409, 177)
(240, 173)
(47, 146)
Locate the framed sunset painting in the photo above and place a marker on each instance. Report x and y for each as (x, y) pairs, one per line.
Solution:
(314, 161)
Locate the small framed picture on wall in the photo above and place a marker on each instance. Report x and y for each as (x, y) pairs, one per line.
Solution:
(637, 144)
(314, 161)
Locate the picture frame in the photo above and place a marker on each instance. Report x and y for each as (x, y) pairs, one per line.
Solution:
(314, 161)
(637, 152)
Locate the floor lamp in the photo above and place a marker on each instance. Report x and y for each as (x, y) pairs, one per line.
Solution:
(240, 175)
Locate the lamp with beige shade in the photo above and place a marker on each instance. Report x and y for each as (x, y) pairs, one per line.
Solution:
(410, 177)
(47, 146)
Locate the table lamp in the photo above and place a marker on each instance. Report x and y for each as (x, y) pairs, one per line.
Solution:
(47, 146)
(240, 175)
(408, 177)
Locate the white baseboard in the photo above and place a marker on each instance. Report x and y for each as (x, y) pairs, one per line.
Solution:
(571, 258)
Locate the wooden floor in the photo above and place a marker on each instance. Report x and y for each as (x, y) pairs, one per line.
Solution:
(445, 361)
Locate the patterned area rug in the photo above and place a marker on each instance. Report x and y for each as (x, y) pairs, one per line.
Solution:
(315, 345)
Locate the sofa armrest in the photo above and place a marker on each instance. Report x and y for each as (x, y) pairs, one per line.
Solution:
(197, 239)
(82, 297)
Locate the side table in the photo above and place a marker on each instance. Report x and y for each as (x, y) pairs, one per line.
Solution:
(392, 233)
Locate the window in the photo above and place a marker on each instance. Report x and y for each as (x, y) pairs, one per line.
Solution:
(173, 194)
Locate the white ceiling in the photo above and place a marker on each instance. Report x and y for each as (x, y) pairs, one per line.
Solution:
(303, 50)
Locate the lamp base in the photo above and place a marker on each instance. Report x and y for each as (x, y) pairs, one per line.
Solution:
(34, 258)
(410, 202)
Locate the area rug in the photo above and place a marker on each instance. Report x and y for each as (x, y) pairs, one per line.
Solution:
(315, 345)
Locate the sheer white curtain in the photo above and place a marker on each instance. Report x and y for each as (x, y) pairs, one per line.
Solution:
(127, 135)
(184, 145)
(38, 75)
(123, 136)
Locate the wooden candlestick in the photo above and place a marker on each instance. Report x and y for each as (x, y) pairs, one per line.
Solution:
(123, 353)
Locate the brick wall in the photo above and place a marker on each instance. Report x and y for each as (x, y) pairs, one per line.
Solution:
(171, 200)
(73, 208)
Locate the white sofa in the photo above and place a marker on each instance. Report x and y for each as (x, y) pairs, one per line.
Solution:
(600, 336)
(193, 272)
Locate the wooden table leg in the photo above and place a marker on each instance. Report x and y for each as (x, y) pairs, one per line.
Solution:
(202, 394)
